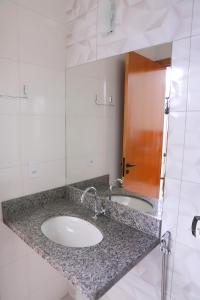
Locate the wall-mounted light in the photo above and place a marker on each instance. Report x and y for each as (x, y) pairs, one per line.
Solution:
(106, 13)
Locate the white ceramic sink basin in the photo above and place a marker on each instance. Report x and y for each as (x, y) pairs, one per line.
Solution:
(133, 202)
(71, 232)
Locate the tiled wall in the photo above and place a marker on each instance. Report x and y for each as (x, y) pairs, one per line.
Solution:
(24, 275)
(93, 132)
(138, 24)
(32, 131)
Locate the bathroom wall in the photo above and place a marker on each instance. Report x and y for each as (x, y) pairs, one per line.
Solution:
(139, 24)
(94, 132)
(32, 42)
(24, 275)
(32, 133)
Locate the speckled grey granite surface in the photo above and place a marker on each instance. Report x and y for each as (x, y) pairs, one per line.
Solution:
(32, 202)
(92, 269)
(147, 222)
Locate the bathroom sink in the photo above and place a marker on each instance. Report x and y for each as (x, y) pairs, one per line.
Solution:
(133, 202)
(71, 232)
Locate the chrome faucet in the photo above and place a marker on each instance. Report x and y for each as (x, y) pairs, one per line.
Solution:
(118, 180)
(96, 197)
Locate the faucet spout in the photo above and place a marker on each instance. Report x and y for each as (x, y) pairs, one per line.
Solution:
(86, 191)
(96, 212)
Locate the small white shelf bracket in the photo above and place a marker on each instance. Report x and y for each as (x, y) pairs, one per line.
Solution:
(108, 102)
(16, 97)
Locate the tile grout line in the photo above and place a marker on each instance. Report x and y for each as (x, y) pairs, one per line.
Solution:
(97, 13)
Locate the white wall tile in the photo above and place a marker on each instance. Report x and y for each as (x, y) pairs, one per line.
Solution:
(76, 167)
(150, 264)
(45, 89)
(10, 140)
(140, 290)
(45, 293)
(51, 174)
(196, 20)
(171, 206)
(81, 39)
(194, 75)
(12, 248)
(81, 52)
(79, 100)
(9, 77)
(189, 207)
(14, 280)
(174, 161)
(37, 265)
(176, 128)
(139, 25)
(19, 269)
(10, 183)
(192, 130)
(9, 106)
(43, 138)
(41, 40)
(186, 274)
(9, 33)
(83, 28)
(179, 74)
(9, 85)
(75, 9)
(85, 133)
(191, 164)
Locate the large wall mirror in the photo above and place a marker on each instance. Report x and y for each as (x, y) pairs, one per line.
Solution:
(117, 119)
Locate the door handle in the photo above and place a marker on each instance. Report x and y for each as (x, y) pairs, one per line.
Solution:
(128, 165)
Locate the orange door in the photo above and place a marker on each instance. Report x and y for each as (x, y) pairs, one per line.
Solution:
(143, 124)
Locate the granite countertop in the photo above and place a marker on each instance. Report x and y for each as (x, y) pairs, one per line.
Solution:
(94, 270)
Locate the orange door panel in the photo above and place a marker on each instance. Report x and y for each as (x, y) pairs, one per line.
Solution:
(143, 124)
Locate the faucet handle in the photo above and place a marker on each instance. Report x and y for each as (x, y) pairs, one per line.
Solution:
(117, 180)
(112, 185)
(120, 181)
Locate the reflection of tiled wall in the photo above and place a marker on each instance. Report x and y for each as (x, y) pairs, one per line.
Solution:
(93, 132)
(138, 24)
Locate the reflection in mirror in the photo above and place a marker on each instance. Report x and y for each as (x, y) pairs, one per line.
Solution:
(117, 120)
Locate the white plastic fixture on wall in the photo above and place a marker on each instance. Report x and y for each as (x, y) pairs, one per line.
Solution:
(17, 97)
(107, 100)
